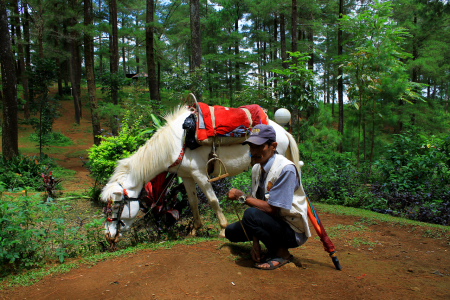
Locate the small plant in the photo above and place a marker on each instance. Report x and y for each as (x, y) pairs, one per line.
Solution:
(50, 184)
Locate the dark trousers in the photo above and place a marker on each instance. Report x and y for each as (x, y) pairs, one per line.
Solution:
(273, 232)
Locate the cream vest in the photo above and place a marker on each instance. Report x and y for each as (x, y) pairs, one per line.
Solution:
(297, 216)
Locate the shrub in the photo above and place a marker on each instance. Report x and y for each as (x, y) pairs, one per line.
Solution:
(411, 180)
(24, 171)
(103, 158)
(415, 163)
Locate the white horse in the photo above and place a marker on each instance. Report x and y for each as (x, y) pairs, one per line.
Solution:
(161, 151)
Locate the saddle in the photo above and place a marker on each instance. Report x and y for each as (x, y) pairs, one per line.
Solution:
(226, 126)
(220, 126)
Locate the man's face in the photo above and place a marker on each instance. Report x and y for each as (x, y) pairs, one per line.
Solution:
(261, 153)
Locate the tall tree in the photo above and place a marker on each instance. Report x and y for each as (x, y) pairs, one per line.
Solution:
(114, 60)
(89, 62)
(23, 74)
(10, 135)
(374, 64)
(283, 41)
(196, 48)
(340, 79)
(150, 51)
(73, 43)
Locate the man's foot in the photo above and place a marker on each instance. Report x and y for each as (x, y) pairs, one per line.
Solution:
(273, 263)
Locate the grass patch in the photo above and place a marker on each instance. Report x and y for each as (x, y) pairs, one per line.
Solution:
(372, 218)
(339, 230)
(358, 241)
(52, 139)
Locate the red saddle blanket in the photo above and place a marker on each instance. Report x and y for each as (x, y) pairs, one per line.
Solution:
(224, 121)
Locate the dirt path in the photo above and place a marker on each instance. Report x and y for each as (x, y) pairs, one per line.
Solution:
(390, 262)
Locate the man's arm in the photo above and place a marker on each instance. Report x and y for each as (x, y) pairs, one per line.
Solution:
(234, 194)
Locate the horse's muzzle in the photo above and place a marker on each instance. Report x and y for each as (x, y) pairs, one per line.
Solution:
(112, 240)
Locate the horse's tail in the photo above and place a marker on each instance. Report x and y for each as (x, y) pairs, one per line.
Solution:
(292, 152)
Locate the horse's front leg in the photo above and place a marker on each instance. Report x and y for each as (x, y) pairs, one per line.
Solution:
(207, 189)
(189, 184)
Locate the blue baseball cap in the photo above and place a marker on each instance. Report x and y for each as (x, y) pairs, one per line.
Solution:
(260, 134)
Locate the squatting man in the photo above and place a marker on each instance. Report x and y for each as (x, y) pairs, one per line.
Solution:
(278, 210)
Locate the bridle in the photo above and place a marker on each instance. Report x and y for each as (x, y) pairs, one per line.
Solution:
(113, 240)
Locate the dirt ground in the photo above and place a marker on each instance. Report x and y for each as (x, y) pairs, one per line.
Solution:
(380, 261)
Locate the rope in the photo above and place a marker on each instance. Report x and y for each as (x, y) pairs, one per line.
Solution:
(242, 225)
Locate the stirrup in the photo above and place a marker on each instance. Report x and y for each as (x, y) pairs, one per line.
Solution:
(218, 177)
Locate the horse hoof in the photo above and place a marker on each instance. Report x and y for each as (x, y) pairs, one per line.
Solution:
(222, 234)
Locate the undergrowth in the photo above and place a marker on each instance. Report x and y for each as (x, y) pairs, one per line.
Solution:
(26, 171)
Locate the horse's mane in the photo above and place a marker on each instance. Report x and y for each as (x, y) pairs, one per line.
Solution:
(150, 157)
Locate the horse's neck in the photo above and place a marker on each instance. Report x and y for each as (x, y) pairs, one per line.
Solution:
(157, 154)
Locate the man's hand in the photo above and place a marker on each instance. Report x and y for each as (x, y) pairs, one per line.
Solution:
(234, 194)
(256, 251)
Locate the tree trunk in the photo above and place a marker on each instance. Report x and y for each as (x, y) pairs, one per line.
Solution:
(114, 64)
(294, 28)
(364, 135)
(310, 34)
(333, 91)
(283, 41)
(10, 134)
(158, 74)
(23, 74)
(124, 66)
(414, 70)
(275, 56)
(137, 63)
(73, 69)
(196, 44)
(58, 63)
(153, 84)
(77, 57)
(26, 35)
(40, 30)
(89, 62)
(359, 135)
(373, 132)
(340, 79)
(236, 56)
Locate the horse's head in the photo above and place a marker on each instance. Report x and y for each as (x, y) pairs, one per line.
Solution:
(114, 193)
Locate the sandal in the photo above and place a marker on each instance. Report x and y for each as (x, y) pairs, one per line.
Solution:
(269, 261)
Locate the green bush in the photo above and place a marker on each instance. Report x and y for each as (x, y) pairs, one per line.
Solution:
(103, 158)
(24, 171)
(415, 162)
(412, 179)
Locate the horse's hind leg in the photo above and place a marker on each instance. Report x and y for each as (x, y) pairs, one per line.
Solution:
(207, 189)
(189, 183)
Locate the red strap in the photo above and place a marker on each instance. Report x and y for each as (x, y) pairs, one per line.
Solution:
(179, 159)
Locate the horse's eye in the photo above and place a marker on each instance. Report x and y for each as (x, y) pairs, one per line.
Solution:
(116, 206)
